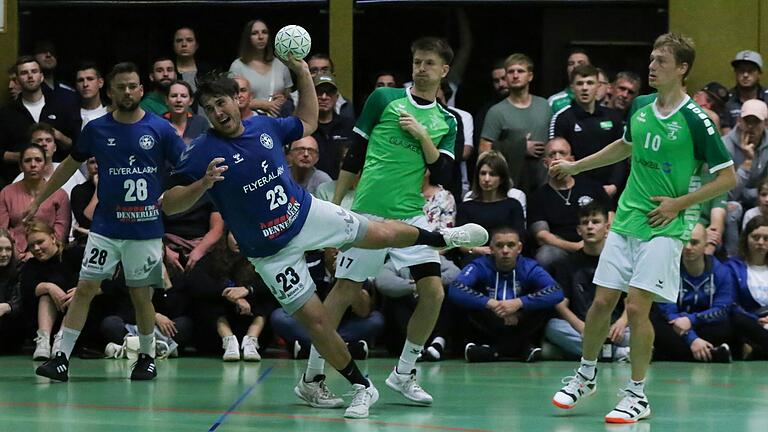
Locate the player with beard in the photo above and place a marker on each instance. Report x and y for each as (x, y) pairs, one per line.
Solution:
(132, 146)
(275, 221)
(162, 75)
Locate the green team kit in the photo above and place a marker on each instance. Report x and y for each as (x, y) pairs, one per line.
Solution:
(394, 168)
(667, 156)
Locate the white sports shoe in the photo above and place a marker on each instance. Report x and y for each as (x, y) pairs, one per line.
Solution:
(42, 346)
(631, 408)
(115, 351)
(316, 394)
(362, 399)
(250, 347)
(469, 235)
(576, 387)
(231, 348)
(407, 386)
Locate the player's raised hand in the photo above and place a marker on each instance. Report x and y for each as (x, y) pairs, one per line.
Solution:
(562, 168)
(294, 64)
(214, 172)
(664, 213)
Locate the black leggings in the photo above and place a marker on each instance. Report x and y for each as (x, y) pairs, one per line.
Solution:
(509, 341)
(669, 346)
(751, 332)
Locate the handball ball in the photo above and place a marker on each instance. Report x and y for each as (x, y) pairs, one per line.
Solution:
(292, 39)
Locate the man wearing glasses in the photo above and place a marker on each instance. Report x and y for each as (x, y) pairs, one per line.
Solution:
(303, 157)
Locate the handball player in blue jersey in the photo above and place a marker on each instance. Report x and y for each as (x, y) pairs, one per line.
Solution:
(242, 167)
(131, 147)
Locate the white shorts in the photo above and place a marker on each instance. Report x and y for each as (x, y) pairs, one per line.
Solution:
(286, 272)
(360, 264)
(652, 265)
(142, 260)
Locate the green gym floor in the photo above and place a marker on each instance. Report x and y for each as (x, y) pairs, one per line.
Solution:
(204, 394)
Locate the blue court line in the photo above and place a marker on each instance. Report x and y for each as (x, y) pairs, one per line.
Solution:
(239, 400)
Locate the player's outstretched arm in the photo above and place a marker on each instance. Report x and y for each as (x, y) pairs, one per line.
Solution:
(181, 198)
(307, 109)
(610, 154)
(60, 176)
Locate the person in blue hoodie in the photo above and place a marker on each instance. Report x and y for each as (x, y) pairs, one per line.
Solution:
(509, 299)
(697, 327)
(750, 310)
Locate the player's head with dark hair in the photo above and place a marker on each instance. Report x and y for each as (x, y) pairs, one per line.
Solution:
(593, 223)
(434, 45)
(681, 47)
(29, 75)
(584, 70)
(215, 84)
(122, 68)
(217, 94)
(491, 176)
(124, 87)
(256, 39)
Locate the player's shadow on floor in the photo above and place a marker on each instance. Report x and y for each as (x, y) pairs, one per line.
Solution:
(81, 379)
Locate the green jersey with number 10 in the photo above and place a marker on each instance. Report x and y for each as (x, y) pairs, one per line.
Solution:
(667, 156)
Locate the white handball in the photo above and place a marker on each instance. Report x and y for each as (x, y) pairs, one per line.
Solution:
(292, 39)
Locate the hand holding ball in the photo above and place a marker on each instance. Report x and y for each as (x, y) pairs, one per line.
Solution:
(292, 39)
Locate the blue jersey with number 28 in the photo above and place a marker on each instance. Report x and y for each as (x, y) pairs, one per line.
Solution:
(130, 157)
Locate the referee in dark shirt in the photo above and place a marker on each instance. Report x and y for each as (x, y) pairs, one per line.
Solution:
(589, 127)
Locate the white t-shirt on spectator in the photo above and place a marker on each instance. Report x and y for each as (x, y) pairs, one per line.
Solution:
(88, 115)
(34, 108)
(757, 282)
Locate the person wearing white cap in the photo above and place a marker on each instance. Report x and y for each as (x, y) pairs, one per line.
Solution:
(748, 145)
(747, 68)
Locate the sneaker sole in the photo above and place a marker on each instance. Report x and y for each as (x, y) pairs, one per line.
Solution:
(395, 388)
(231, 359)
(252, 359)
(52, 378)
(620, 420)
(298, 394)
(567, 407)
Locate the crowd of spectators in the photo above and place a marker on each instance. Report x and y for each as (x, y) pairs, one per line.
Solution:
(529, 287)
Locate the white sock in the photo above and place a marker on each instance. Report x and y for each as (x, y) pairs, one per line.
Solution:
(68, 339)
(636, 387)
(146, 343)
(408, 357)
(587, 368)
(315, 365)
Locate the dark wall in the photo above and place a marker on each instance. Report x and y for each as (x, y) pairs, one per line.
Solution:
(618, 35)
(139, 33)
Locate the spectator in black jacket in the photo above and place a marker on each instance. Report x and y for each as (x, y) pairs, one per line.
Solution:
(589, 127)
(36, 103)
